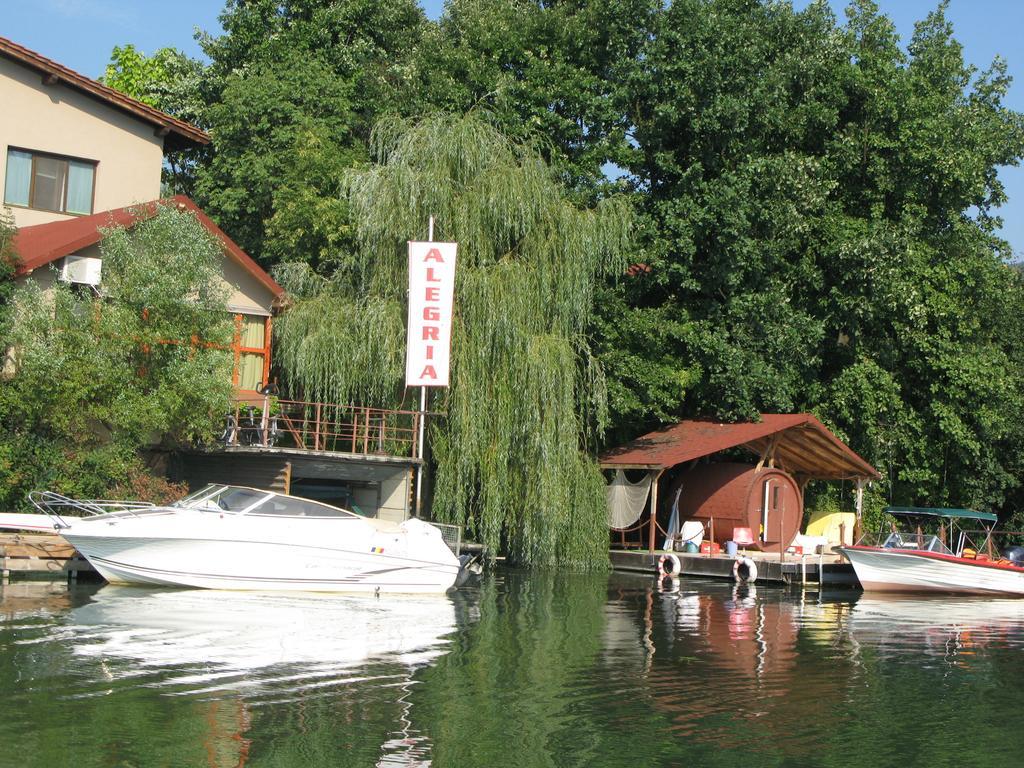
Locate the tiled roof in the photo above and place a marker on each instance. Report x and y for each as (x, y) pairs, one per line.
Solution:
(178, 131)
(41, 244)
(803, 445)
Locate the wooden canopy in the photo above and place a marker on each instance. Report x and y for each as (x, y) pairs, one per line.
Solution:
(797, 443)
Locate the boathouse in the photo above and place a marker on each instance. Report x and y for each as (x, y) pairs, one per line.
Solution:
(689, 471)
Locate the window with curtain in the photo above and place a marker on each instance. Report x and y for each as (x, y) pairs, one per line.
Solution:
(49, 182)
(252, 351)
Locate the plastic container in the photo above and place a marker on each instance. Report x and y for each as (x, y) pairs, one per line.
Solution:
(730, 548)
(710, 548)
(690, 548)
(692, 531)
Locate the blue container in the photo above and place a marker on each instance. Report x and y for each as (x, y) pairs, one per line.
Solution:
(730, 548)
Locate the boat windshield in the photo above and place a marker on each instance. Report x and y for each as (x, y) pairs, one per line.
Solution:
(223, 498)
(923, 542)
(192, 498)
(290, 506)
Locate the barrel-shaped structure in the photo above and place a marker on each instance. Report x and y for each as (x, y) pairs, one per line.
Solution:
(730, 496)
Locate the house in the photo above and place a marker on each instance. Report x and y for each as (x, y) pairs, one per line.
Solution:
(77, 157)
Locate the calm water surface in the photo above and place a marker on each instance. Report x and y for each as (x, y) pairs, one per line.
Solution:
(525, 670)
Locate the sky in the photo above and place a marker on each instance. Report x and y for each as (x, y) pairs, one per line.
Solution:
(80, 34)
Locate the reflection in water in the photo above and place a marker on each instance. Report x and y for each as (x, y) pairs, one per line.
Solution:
(952, 630)
(33, 598)
(236, 655)
(527, 670)
(226, 641)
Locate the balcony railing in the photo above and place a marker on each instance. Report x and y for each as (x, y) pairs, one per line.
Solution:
(324, 427)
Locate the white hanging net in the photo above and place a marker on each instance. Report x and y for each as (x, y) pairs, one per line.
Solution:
(626, 500)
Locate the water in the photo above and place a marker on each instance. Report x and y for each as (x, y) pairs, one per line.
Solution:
(525, 670)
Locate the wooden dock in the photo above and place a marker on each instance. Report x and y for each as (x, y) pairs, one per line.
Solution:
(821, 570)
(40, 555)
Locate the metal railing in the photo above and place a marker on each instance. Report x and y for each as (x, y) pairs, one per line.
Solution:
(452, 535)
(53, 504)
(324, 427)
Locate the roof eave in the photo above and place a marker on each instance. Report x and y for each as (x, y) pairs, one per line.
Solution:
(184, 133)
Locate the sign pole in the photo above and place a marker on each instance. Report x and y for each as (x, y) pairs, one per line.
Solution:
(423, 416)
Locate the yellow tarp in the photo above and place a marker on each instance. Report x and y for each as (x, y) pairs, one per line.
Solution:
(827, 524)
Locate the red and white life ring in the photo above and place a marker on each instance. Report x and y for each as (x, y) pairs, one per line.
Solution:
(744, 570)
(669, 565)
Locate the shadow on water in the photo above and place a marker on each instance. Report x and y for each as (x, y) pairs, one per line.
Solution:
(539, 669)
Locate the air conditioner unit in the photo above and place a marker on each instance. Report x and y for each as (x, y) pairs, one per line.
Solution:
(85, 270)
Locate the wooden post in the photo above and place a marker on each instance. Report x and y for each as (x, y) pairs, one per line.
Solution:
(654, 510)
(366, 432)
(859, 506)
(711, 533)
(316, 430)
(287, 478)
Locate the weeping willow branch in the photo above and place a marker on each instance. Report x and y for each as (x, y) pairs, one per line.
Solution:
(527, 394)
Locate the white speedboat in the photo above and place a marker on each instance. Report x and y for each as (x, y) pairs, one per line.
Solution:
(911, 560)
(232, 537)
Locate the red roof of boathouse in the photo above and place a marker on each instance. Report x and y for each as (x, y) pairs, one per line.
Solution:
(802, 445)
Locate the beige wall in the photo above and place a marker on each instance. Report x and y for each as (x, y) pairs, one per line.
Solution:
(57, 119)
(394, 496)
(247, 295)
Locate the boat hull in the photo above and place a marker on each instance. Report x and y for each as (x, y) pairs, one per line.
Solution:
(910, 571)
(282, 559)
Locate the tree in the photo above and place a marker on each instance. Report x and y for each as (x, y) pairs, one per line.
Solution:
(292, 90)
(527, 395)
(820, 212)
(96, 379)
(555, 70)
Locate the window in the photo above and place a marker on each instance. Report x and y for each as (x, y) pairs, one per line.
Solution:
(49, 182)
(252, 351)
(291, 506)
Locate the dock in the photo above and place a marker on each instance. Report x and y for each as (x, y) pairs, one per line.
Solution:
(40, 555)
(822, 570)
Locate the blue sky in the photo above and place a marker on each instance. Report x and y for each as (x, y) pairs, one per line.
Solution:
(81, 33)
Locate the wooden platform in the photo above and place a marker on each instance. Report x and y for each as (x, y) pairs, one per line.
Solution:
(40, 555)
(824, 570)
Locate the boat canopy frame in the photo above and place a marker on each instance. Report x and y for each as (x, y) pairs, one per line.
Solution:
(952, 514)
(956, 538)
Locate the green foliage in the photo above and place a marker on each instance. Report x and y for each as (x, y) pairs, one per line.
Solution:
(95, 379)
(8, 258)
(282, 133)
(292, 90)
(819, 207)
(526, 391)
(167, 80)
(555, 70)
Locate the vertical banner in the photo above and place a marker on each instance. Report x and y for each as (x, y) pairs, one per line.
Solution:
(431, 290)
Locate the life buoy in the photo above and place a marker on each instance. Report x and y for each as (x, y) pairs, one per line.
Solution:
(669, 565)
(668, 584)
(744, 570)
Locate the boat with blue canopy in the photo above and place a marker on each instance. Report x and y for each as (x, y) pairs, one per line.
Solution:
(937, 549)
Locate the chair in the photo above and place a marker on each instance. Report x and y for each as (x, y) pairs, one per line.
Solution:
(742, 536)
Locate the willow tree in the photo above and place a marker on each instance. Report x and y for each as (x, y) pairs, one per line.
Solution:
(527, 396)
